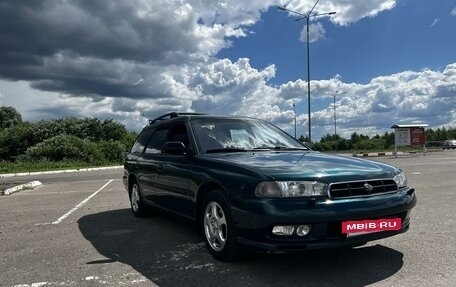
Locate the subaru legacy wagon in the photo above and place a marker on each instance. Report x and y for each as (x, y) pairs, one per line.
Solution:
(247, 183)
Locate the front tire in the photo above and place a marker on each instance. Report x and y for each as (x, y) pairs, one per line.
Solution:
(218, 229)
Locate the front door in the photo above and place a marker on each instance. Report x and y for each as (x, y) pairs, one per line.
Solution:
(174, 183)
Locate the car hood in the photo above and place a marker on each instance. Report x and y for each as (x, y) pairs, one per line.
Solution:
(306, 165)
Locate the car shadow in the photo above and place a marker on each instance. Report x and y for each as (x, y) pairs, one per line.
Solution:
(168, 251)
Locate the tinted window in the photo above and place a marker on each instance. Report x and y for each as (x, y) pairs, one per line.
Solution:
(157, 141)
(179, 133)
(141, 141)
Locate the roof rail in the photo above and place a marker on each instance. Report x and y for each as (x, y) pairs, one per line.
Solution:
(171, 115)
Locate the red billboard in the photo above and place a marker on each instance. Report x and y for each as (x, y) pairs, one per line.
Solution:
(417, 136)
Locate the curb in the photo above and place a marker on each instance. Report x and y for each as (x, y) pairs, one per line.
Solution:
(379, 154)
(17, 188)
(58, 171)
(374, 154)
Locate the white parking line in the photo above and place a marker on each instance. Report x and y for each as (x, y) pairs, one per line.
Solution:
(126, 279)
(77, 206)
(81, 203)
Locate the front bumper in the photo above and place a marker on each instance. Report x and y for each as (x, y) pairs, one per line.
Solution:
(255, 218)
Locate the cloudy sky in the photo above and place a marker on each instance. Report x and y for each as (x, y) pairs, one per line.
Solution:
(390, 61)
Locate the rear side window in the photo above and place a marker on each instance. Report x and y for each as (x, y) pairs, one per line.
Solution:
(141, 141)
(157, 141)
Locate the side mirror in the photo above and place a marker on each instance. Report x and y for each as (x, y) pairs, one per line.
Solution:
(176, 148)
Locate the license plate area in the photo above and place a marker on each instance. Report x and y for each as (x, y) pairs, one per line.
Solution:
(361, 227)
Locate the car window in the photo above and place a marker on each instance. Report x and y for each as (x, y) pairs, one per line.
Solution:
(157, 141)
(240, 137)
(141, 141)
(214, 135)
(178, 133)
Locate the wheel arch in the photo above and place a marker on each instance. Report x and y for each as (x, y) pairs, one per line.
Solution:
(131, 178)
(203, 191)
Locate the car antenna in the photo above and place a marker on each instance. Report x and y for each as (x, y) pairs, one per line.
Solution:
(150, 120)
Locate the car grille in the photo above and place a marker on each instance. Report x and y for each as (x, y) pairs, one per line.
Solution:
(361, 188)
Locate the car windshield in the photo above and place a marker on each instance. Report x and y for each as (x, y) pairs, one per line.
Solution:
(242, 134)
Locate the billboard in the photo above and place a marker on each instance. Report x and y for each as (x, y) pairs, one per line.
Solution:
(409, 136)
(417, 136)
(402, 136)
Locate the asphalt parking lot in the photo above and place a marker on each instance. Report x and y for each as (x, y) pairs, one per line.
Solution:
(76, 229)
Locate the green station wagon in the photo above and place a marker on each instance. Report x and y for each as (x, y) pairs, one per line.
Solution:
(247, 183)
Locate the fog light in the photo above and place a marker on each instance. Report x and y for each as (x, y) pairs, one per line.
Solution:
(303, 230)
(283, 230)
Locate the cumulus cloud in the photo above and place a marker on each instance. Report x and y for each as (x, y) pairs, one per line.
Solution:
(407, 97)
(348, 11)
(453, 12)
(123, 59)
(226, 87)
(105, 47)
(316, 32)
(129, 48)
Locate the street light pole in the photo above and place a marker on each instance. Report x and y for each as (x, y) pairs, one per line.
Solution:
(294, 110)
(307, 17)
(335, 129)
(308, 76)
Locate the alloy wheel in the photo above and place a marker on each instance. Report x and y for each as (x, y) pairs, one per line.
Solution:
(135, 198)
(215, 226)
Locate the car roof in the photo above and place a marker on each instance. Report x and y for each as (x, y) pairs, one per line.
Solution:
(169, 116)
(177, 115)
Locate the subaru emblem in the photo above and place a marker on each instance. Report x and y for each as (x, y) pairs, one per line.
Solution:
(369, 188)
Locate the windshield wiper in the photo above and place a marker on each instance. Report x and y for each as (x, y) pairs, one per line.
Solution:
(228, 149)
(280, 148)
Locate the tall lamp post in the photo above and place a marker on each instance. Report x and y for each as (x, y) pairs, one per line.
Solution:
(294, 110)
(335, 129)
(307, 17)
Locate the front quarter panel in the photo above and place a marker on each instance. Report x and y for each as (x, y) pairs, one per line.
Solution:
(236, 180)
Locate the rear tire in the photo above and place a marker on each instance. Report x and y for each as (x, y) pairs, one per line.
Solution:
(138, 207)
(217, 226)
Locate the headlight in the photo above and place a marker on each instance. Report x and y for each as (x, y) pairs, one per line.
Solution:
(291, 189)
(401, 180)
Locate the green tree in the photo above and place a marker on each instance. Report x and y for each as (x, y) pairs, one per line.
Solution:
(65, 147)
(9, 117)
(89, 139)
(370, 144)
(88, 128)
(112, 130)
(304, 139)
(344, 144)
(322, 146)
(14, 141)
(441, 133)
(113, 151)
(389, 139)
(129, 139)
(355, 138)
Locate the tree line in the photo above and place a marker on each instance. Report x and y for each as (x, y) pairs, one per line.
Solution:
(87, 140)
(360, 142)
(95, 141)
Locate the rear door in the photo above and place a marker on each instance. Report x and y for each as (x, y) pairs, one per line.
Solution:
(148, 162)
